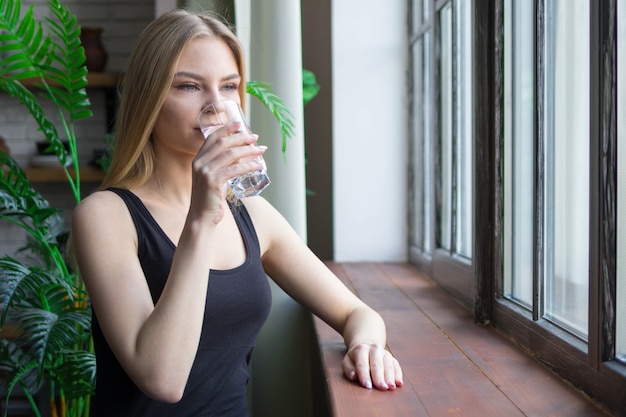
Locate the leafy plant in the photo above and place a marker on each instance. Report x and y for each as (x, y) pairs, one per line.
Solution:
(44, 305)
(263, 92)
(310, 87)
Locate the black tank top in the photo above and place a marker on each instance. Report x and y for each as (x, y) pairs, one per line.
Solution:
(237, 304)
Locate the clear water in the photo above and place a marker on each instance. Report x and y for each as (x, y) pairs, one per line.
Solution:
(250, 184)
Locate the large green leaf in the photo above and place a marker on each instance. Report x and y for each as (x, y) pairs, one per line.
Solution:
(21, 286)
(48, 333)
(276, 106)
(56, 60)
(22, 40)
(16, 371)
(22, 205)
(76, 373)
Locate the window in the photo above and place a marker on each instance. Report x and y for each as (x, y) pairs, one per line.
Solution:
(442, 141)
(519, 204)
(519, 104)
(557, 168)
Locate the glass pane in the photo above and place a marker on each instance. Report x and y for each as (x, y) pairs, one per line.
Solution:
(566, 133)
(427, 160)
(417, 14)
(621, 181)
(518, 151)
(422, 157)
(445, 136)
(418, 146)
(464, 127)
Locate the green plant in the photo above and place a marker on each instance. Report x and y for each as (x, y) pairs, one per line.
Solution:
(45, 304)
(310, 87)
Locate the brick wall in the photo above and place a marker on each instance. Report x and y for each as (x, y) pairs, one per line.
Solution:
(121, 21)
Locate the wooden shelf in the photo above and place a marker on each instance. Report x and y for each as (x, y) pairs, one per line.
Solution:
(94, 80)
(52, 175)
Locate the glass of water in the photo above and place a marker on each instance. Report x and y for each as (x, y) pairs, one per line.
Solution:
(221, 113)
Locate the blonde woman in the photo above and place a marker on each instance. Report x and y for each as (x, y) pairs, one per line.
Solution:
(175, 270)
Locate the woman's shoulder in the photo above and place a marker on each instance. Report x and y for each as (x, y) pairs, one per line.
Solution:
(100, 204)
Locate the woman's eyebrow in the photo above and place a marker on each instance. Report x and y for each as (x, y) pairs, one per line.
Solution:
(198, 77)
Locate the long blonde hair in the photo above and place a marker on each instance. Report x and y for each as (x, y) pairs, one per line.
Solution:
(145, 85)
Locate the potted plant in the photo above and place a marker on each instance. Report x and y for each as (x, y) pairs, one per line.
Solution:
(45, 303)
(45, 316)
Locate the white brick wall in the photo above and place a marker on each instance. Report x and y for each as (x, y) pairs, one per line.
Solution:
(122, 21)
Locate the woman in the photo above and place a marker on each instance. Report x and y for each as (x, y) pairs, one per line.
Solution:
(174, 269)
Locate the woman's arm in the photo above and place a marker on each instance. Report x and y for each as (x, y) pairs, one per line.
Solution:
(292, 265)
(156, 345)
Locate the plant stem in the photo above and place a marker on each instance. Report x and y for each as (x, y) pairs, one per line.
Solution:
(33, 403)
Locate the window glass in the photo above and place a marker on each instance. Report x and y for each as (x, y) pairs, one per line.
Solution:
(445, 134)
(621, 181)
(419, 198)
(427, 157)
(417, 14)
(426, 9)
(566, 134)
(422, 152)
(464, 128)
(519, 106)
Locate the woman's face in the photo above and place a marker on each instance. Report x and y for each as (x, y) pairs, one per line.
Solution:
(207, 72)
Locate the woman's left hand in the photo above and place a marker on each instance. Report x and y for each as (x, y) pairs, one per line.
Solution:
(373, 366)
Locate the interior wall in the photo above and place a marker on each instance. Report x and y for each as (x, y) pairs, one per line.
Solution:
(370, 130)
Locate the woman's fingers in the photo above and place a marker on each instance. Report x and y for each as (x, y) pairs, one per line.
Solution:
(227, 154)
(373, 366)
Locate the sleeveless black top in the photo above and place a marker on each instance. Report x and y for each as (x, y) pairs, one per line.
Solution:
(237, 304)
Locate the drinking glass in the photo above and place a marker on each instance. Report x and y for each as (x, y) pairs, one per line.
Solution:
(221, 113)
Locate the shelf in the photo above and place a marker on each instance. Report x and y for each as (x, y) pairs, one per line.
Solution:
(52, 175)
(94, 80)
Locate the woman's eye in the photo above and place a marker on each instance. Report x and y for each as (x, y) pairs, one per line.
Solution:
(231, 87)
(187, 86)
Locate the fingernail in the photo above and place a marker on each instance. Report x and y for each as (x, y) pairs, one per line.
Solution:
(368, 384)
(263, 147)
(384, 385)
(351, 375)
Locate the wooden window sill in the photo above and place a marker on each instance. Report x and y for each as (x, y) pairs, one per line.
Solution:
(451, 365)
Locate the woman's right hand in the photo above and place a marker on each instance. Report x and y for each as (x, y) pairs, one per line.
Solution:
(225, 154)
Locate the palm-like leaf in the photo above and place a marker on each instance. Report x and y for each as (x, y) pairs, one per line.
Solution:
(22, 40)
(28, 99)
(23, 206)
(53, 318)
(76, 372)
(56, 63)
(21, 287)
(16, 371)
(69, 56)
(276, 106)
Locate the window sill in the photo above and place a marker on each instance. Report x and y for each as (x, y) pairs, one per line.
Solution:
(451, 365)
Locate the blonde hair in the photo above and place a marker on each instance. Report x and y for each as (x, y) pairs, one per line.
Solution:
(145, 85)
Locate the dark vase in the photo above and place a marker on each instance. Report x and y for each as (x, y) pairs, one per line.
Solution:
(96, 55)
